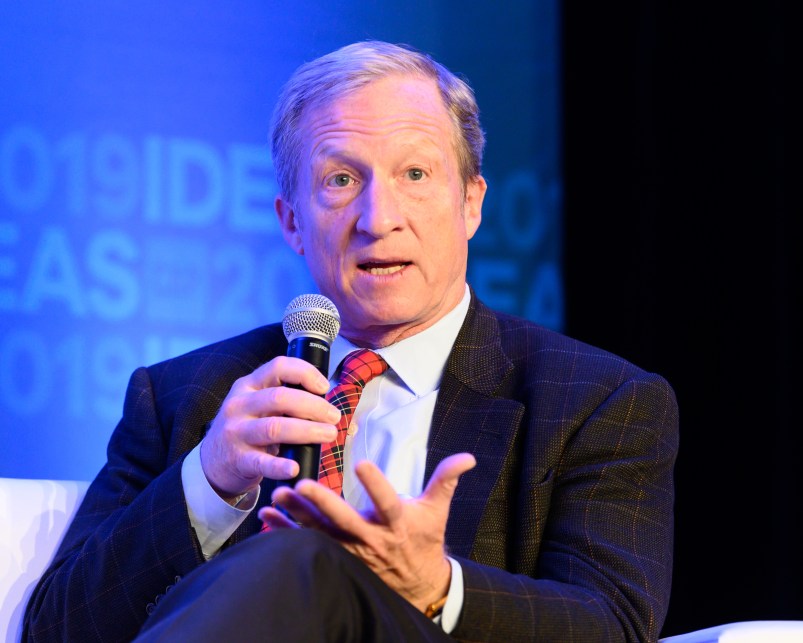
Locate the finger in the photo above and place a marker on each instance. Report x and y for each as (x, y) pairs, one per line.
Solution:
(255, 463)
(387, 504)
(443, 482)
(288, 370)
(265, 431)
(299, 508)
(331, 513)
(280, 400)
(275, 519)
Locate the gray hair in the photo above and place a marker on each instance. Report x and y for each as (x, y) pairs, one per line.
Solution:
(330, 77)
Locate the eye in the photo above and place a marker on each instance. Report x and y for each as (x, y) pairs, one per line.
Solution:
(340, 181)
(415, 174)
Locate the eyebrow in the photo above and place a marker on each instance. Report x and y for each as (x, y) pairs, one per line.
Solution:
(333, 155)
(330, 151)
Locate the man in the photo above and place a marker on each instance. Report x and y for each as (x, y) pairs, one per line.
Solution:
(561, 525)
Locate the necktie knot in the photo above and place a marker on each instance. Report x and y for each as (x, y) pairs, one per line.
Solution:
(359, 368)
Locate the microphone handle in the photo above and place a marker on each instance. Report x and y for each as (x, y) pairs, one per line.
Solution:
(312, 350)
(308, 456)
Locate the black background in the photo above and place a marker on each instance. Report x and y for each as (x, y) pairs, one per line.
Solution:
(679, 255)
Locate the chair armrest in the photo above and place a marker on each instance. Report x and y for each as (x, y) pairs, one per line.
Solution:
(744, 632)
(36, 513)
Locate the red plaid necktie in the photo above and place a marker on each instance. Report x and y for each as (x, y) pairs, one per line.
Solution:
(359, 368)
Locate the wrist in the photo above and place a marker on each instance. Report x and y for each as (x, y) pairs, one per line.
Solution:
(240, 501)
(231, 496)
(432, 603)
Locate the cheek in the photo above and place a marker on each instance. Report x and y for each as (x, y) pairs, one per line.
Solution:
(314, 234)
(323, 253)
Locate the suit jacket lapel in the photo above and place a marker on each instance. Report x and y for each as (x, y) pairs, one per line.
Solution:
(468, 417)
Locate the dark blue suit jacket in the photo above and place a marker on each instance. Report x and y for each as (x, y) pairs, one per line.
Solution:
(564, 528)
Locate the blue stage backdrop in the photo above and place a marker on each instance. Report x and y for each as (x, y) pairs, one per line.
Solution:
(136, 186)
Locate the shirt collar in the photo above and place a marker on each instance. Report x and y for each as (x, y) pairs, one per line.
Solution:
(418, 360)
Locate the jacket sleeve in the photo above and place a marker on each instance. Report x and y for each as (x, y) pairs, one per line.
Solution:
(603, 571)
(130, 541)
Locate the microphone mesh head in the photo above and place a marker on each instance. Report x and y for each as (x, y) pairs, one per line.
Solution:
(311, 315)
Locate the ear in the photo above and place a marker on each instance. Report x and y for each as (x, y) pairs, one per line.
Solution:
(289, 223)
(472, 208)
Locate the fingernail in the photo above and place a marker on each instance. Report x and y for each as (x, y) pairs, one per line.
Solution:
(333, 416)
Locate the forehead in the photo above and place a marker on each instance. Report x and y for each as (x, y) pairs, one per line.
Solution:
(384, 107)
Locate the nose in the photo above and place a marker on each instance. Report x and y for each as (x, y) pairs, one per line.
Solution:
(380, 209)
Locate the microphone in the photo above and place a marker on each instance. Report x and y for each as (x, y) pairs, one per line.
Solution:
(310, 324)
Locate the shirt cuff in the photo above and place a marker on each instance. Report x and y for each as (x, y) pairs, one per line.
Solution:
(454, 603)
(213, 519)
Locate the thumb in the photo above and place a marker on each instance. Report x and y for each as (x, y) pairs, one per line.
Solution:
(443, 482)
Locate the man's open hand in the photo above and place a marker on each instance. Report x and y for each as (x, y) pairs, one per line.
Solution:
(402, 541)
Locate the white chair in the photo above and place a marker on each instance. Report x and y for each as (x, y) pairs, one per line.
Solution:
(35, 514)
(745, 632)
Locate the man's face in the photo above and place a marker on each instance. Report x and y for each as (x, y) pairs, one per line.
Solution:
(380, 214)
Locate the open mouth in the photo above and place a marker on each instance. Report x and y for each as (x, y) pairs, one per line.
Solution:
(375, 268)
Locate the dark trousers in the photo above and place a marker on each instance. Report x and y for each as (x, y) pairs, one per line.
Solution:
(288, 585)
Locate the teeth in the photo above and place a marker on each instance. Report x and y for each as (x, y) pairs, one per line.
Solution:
(389, 270)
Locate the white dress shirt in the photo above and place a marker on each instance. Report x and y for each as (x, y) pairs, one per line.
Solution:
(390, 427)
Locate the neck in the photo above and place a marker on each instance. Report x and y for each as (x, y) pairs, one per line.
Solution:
(380, 336)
